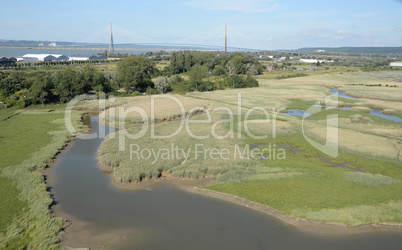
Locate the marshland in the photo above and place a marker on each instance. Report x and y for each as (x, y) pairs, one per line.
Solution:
(228, 140)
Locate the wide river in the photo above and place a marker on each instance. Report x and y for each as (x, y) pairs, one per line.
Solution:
(170, 218)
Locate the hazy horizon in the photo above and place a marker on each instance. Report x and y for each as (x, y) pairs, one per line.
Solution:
(255, 24)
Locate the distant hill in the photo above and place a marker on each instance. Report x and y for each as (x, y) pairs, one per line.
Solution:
(363, 50)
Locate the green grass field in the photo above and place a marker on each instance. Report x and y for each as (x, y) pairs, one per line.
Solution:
(29, 140)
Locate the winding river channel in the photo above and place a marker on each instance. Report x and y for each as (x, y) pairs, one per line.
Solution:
(171, 218)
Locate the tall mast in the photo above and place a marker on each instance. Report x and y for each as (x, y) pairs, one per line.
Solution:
(226, 36)
(111, 45)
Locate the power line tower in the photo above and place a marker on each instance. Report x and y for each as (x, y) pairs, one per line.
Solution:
(226, 38)
(111, 45)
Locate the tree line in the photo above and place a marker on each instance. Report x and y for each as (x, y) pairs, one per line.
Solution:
(230, 71)
(220, 64)
(133, 76)
(21, 89)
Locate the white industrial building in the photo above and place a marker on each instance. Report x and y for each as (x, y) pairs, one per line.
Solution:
(60, 57)
(78, 58)
(7, 60)
(86, 58)
(314, 61)
(38, 57)
(396, 64)
(44, 57)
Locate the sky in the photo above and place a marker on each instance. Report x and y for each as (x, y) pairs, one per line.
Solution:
(254, 24)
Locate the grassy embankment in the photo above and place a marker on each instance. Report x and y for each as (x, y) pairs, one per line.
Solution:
(322, 69)
(29, 140)
(307, 184)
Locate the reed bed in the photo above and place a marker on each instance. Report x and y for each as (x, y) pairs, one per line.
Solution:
(369, 179)
(31, 224)
(166, 108)
(200, 160)
(356, 215)
(382, 93)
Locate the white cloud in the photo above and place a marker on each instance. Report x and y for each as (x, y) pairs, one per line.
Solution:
(250, 6)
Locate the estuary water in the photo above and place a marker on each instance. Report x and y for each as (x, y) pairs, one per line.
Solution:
(341, 94)
(375, 112)
(170, 218)
(17, 52)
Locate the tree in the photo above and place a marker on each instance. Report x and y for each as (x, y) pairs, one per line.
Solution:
(235, 65)
(251, 69)
(219, 70)
(104, 53)
(181, 62)
(40, 91)
(235, 82)
(174, 67)
(12, 83)
(68, 84)
(93, 79)
(197, 74)
(250, 82)
(134, 72)
(161, 84)
(232, 69)
(188, 60)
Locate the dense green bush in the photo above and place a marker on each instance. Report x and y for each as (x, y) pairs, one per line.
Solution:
(20, 89)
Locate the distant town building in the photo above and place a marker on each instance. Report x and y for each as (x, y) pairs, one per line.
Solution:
(298, 54)
(52, 44)
(283, 58)
(396, 64)
(271, 67)
(7, 60)
(320, 50)
(41, 44)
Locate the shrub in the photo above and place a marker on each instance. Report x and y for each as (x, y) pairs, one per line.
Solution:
(219, 71)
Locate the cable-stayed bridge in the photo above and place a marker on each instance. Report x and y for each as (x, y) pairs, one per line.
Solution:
(222, 38)
(216, 38)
